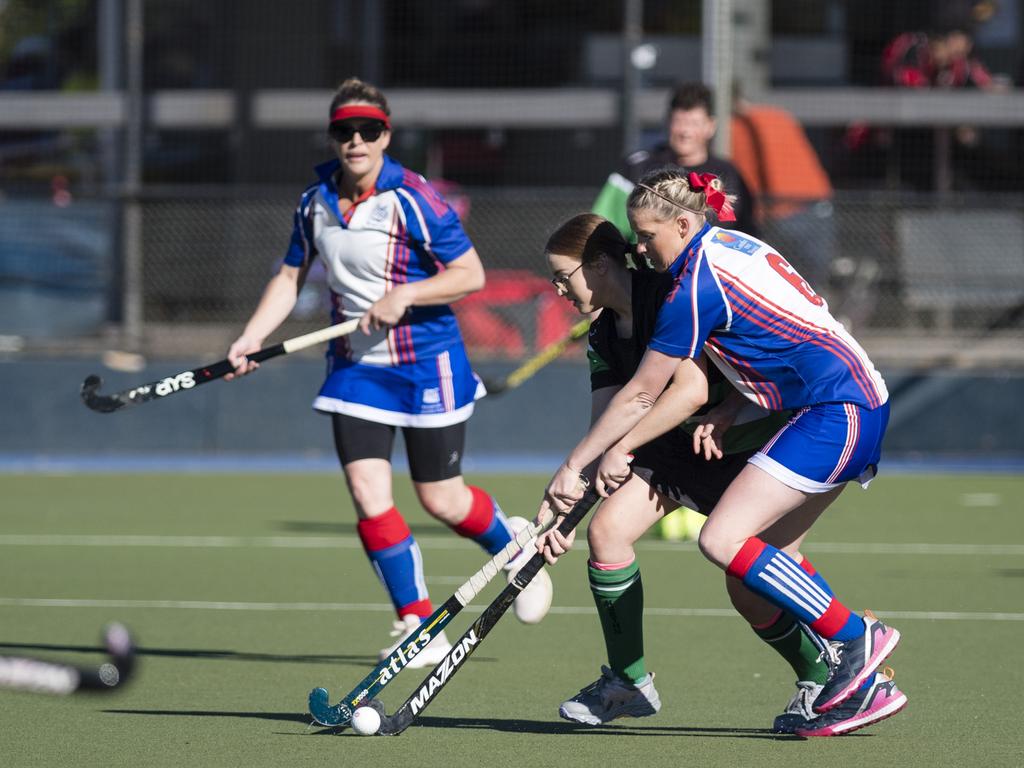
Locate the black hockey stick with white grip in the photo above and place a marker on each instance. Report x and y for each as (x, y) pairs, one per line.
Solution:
(185, 380)
(325, 713)
(37, 676)
(392, 725)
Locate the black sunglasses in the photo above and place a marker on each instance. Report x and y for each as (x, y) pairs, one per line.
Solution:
(345, 132)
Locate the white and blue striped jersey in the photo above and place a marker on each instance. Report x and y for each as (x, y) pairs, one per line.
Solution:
(415, 374)
(403, 231)
(737, 299)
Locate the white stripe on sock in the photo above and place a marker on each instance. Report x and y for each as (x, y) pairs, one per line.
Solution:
(622, 588)
(798, 574)
(421, 583)
(796, 588)
(795, 598)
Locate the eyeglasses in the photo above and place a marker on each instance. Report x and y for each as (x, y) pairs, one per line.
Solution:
(561, 282)
(343, 133)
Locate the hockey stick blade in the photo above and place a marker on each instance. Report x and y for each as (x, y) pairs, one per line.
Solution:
(340, 714)
(57, 679)
(95, 401)
(186, 380)
(494, 386)
(393, 725)
(155, 389)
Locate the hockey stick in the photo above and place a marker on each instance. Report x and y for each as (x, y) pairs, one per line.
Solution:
(547, 355)
(24, 674)
(341, 713)
(392, 725)
(189, 379)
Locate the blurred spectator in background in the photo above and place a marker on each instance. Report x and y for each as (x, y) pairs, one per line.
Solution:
(792, 194)
(691, 126)
(937, 59)
(941, 57)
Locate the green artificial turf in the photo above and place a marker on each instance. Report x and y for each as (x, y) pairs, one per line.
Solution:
(245, 592)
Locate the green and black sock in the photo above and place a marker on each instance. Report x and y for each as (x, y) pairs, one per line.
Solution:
(619, 596)
(787, 638)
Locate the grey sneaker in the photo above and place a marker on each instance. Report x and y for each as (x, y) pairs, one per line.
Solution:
(800, 708)
(610, 697)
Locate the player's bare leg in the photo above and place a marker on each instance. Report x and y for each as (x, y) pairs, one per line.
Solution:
(752, 503)
(472, 512)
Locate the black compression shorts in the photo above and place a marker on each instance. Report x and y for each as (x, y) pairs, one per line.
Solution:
(434, 453)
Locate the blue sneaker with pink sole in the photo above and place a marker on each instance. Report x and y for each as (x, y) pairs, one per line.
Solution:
(868, 705)
(854, 661)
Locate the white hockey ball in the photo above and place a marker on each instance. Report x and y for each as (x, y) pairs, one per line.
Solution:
(365, 721)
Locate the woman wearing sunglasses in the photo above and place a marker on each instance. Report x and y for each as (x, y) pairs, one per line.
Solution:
(396, 256)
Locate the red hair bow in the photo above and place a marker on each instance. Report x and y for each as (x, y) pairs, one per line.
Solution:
(715, 198)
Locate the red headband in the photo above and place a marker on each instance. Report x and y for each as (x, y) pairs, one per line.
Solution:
(715, 199)
(348, 111)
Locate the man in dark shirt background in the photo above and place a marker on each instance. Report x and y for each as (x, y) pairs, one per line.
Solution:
(690, 127)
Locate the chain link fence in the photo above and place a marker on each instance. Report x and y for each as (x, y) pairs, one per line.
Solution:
(917, 240)
(909, 267)
(885, 263)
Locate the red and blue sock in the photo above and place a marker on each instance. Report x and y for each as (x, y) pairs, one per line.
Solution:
(485, 524)
(778, 578)
(816, 577)
(396, 558)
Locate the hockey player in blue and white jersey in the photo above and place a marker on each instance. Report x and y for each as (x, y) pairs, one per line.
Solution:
(396, 256)
(737, 300)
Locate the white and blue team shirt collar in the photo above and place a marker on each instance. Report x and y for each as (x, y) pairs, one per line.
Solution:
(402, 231)
(391, 176)
(677, 268)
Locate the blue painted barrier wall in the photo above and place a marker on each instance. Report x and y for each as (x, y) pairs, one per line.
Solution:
(949, 413)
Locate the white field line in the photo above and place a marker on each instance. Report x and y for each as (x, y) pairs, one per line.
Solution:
(567, 610)
(980, 500)
(186, 542)
(452, 543)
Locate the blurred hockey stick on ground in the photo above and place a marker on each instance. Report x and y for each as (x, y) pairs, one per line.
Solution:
(21, 673)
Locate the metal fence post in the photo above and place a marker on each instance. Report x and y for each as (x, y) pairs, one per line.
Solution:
(632, 36)
(716, 66)
(131, 233)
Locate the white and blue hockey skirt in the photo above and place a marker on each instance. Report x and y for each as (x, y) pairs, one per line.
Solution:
(434, 392)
